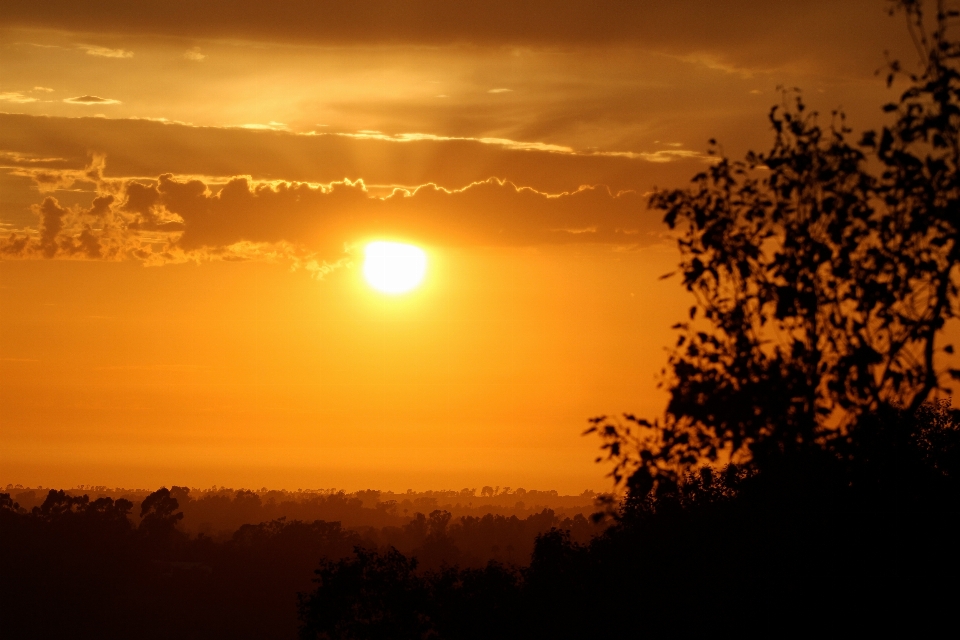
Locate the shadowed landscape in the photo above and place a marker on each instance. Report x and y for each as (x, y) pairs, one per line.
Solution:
(201, 557)
(801, 475)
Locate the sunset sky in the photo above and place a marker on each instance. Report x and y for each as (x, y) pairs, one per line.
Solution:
(187, 189)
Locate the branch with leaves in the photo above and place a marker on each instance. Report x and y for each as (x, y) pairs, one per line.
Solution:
(821, 286)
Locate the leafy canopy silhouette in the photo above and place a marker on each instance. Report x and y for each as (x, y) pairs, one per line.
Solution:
(823, 272)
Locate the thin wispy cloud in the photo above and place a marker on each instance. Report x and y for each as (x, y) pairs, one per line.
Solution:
(90, 100)
(413, 137)
(660, 156)
(270, 126)
(14, 159)
(16, 97)
(663, 155)
(106, 52)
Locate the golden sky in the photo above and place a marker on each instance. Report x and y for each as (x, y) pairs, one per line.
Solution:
(186, 189)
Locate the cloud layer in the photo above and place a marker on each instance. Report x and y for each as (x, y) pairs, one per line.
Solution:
(145, 148)
(176, 220)
(742, 28)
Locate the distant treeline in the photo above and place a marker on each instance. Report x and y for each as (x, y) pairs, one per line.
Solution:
(219, 511)
(77, 565)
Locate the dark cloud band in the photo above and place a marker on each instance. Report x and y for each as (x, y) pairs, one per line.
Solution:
(679, 26)
(176, 220)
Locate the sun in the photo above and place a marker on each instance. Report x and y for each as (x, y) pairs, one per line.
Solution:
(394, 268)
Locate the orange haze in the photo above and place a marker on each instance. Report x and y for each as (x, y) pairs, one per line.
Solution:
(184, 199)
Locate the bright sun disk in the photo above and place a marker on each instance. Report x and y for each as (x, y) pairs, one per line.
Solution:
(392, 267)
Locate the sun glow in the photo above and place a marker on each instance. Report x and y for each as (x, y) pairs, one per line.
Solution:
(394, 268)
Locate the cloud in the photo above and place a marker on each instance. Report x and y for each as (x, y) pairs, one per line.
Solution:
(71, 232)
(174, 219)
(142, 148)
(662, 155)
(518, 145)
(194, 54)
(91, 100)
(44, 89)
(270, 126)
(735, 34)
(48, 174)
(500, 91)
(104, 52)
(15, 97)
(16, 159)
(92, 232)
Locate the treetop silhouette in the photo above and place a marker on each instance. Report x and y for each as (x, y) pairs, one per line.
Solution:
(823, 272)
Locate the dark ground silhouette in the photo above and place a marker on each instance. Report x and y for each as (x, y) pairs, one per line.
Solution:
(107, 568)
(798, 548)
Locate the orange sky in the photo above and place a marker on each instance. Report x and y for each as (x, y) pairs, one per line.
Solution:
(186, 189)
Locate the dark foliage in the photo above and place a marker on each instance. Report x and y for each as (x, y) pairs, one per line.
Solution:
(76, 567)
(382, 595)
(370, 596)
(79, 568)
(823, 274)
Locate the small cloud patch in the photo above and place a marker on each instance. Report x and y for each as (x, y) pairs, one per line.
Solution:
(104, 52)
(194, 54)
(90, 100)
(16, 97)
(500, 91)
(270, 126)
(44, 89)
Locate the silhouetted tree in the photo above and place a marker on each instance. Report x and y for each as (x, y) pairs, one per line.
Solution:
(476, 604)
(371, 596)
(159, 518)
(822, 286)
(9, 508)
